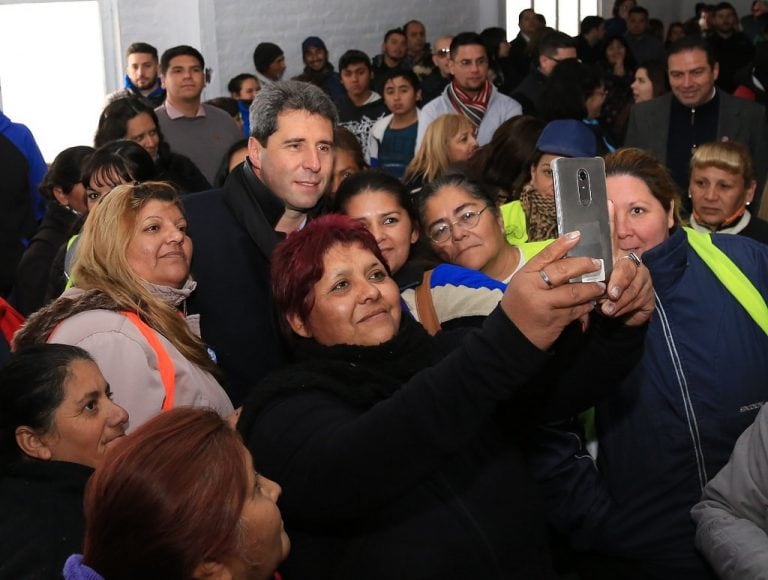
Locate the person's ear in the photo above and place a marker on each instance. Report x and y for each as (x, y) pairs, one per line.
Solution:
(60, 196)
(415, 235)
(671, 215)
(162, 81)
(211, 571)
(298, 325)
(254, 152)
(716, 70)
(751, 192)
(32, 444)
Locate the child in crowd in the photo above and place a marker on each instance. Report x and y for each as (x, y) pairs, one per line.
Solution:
(392, 142)
(360, 107)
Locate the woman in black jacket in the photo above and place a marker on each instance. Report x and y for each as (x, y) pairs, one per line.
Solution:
(399, 453)
(65, 192)
(56, 423)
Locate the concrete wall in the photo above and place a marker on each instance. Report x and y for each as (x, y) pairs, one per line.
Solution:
(228, 31)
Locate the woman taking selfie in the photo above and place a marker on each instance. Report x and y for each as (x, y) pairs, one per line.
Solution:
(671, 425)
(413, 453)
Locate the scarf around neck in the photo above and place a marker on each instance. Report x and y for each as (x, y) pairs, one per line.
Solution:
(359, 375)
(540, 214)
(473, 108)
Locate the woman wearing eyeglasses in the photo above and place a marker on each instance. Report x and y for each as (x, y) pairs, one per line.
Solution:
(464, 227)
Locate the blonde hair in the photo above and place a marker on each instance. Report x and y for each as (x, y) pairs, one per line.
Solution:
(728, 156)
(431, 160)
(101, 264)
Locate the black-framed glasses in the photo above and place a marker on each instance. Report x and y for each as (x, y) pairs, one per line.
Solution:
(443, 51)
(443, 231)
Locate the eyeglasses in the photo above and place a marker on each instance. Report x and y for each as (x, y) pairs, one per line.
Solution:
(442, 231)
(443, 52)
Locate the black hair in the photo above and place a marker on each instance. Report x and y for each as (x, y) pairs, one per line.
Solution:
(141, 48)
(392, 31)
(226, 104)
(638, 10)
(113, 121)
(223, 171)
(466, 39)
(354, 57)
(590, 23)
(554, 40)
(372, 180)
(31, 389)
(407, 74)
(65, 170)
(236, 83)
(121, 160)
(566, 90)
(181, 50)
(493, 37)
(692, 43)
(453, 178)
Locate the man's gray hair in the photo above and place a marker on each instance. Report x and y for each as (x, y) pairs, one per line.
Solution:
(287, 96)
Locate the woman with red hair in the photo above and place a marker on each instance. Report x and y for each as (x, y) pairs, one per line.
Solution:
(400, 452)
(180, 499)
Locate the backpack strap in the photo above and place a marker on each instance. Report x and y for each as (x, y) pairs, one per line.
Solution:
(425, 306)
(731, 277)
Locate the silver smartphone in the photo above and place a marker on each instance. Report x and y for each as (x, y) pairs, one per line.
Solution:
(582, 204)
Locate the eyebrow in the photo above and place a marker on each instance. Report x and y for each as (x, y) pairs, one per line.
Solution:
(88, 395)
(457, 211)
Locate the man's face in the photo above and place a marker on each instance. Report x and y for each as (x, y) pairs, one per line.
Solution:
(528, 22)
(356, 79)
(184, 80)
(637, 24)
(548, 63)
(417, 37)
(442, 55)
(470, 67)
(724, 21)
(142, 70)
(395, 47)
(315, 58)
(276, 69)
(690, 77)
(297, 161)
(759, 8)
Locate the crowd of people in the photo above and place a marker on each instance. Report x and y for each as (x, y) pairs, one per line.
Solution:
(329, 327)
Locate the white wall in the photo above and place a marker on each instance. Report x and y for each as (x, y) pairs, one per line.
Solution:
(227, 31)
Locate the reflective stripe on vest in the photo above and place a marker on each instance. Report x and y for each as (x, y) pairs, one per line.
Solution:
(731, 277)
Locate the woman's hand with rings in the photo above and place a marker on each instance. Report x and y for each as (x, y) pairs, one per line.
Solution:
(540, 300)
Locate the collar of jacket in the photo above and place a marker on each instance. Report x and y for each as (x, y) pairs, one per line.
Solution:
(253, 205)
(668, 261)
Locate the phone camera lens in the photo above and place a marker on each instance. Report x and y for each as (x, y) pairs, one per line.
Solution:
(582, 175)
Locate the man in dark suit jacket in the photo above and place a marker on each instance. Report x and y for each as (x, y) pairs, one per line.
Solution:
(518, 48)
(235, 229)
(673, 125)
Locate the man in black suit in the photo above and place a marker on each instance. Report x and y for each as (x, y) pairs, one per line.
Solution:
(695, 112)
(235, 229)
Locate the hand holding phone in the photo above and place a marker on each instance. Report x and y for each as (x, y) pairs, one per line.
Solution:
(581, 203)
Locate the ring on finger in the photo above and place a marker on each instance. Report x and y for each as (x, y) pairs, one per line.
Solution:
(546, 279)
(634, 258)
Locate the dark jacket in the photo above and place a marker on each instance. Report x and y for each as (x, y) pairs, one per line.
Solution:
(17, 220)
(738, 120)
(180, 170)
(34, 269)
(389, 472)
(674, 421)
(43, 522)
(529, 91)
(234, 235)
